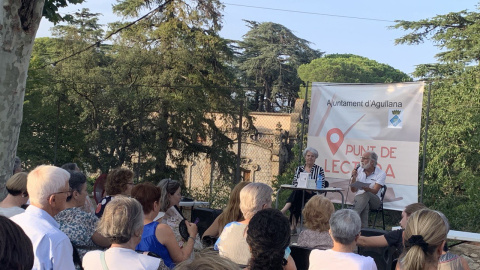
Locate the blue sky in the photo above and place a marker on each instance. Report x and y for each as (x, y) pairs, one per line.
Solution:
(331, 34)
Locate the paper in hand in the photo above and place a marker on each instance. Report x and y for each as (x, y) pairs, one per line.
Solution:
(359, 185)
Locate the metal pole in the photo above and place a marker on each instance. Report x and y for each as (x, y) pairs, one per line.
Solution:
(239, 143)
(425, 137)
(304, 111)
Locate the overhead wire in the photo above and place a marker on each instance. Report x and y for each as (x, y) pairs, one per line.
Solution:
(98, 42)
(159, 8)
(311, 13)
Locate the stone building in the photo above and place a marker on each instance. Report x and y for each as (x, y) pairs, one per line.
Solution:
(266, 148)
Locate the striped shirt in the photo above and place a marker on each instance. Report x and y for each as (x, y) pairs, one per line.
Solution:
(315, 171)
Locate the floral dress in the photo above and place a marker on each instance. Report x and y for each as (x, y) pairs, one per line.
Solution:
(173, 218)
(79, 226)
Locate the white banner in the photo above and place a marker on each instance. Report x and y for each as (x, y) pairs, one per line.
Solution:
(347, 120)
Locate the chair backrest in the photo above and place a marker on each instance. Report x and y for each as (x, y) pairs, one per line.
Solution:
(383, 192)
(383, 256)
(205, 217)
(301, 256)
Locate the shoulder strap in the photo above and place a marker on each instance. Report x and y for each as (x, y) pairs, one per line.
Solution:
(102, 260)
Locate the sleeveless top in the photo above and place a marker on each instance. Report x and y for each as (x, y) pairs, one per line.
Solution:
(150, 243)
(450, 261)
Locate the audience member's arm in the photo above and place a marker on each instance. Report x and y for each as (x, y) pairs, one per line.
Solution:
(372, 241)
(100, 240)
(213, 229)
(165, 236)
(290, 264)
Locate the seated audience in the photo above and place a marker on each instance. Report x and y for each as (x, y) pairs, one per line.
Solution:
(122, 224)
(88, 205)
(232, 243)
(316, 214)
(230, 213)
(208, 260)
(119, 182)
(169, 203)
(78, 225)
(423, 238)
(16, 251)
(392, 238)
(159, 238)
(345, 226)
(16, 197)
(48, 189)
(268, 235)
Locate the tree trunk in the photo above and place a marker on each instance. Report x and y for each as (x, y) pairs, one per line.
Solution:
(19, 21)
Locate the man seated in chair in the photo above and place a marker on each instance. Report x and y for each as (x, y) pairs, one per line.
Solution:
(368, 197)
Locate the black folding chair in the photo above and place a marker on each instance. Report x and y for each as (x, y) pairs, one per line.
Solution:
(383, 190)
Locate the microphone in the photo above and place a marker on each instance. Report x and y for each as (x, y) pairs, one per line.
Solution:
(356, 169)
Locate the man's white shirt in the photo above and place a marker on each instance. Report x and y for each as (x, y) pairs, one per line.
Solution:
(52, 248)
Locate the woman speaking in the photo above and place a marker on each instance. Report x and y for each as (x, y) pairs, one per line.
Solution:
(294, 201)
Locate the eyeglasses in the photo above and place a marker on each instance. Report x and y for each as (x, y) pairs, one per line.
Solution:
(68, 192)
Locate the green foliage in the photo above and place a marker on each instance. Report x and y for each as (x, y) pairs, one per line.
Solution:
(270, 56)
(50, 9)
(286, 178)
(156, 95)
(218, 195)
(453, 156)
(349, 68)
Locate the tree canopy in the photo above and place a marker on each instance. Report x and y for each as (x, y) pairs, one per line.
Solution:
(269, 57)
(349, 68)
(19, 21)
(149, 100)
(452, 182)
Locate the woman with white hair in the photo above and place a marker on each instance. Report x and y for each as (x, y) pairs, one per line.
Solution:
(232, 243)
(345, 226)
(294, 201)
(122, 224)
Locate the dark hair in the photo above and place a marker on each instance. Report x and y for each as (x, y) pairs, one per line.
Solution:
(70, 166)
(146, 193)
(76, 181)
(268, 236)
(167, 187)
(414, 207)
(117, 181)
(16, 250)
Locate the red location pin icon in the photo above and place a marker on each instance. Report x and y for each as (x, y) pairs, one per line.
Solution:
(334, 139)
